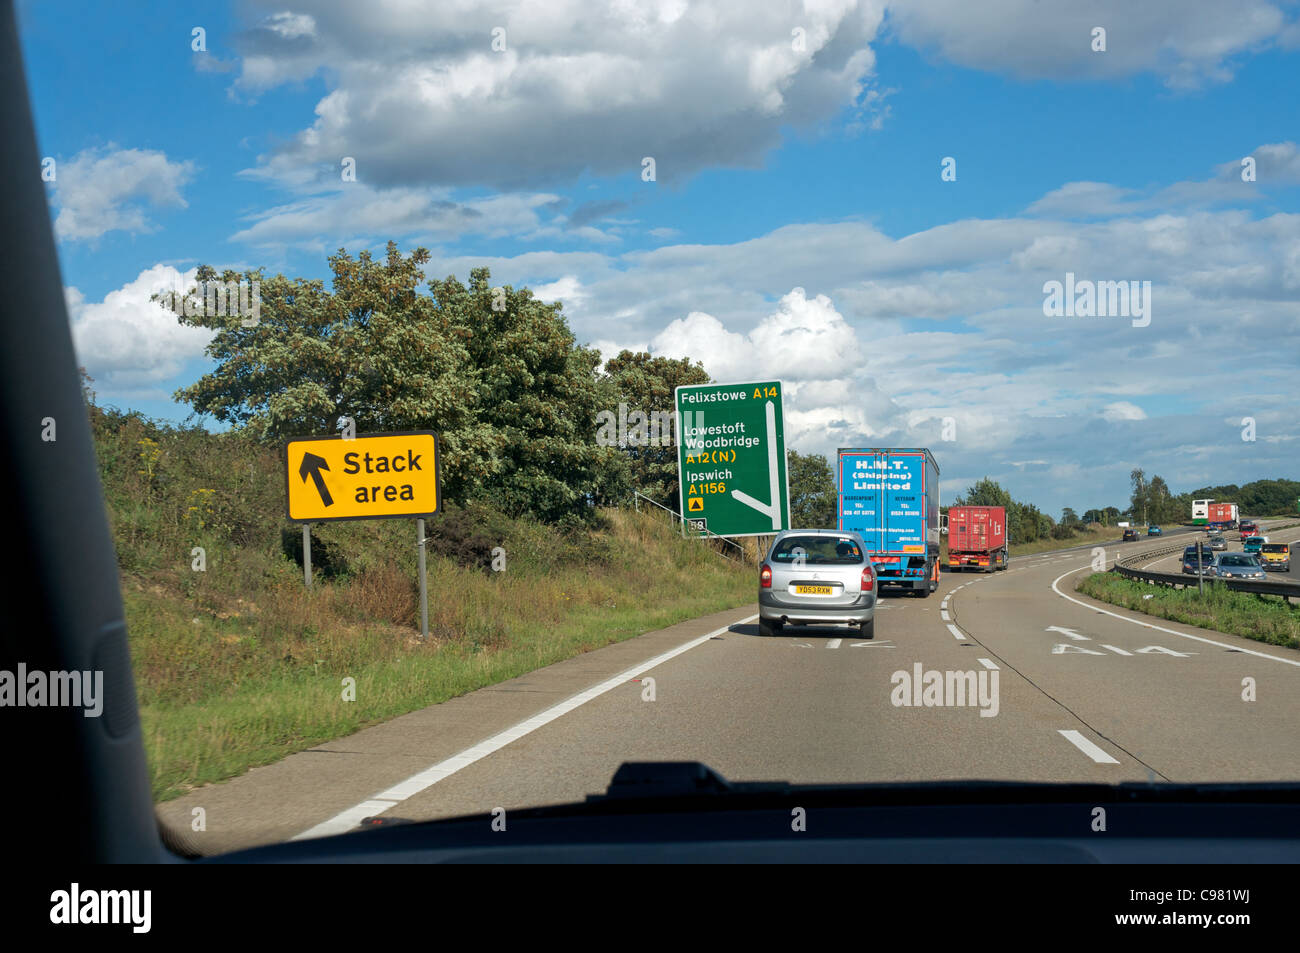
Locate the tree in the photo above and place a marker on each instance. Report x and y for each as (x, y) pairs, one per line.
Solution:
(1069, 517)
(813, 499)
(985, 493)
(646, 387)
(1159, 500)
(495, 373)
(538, 397)
(1139, 499)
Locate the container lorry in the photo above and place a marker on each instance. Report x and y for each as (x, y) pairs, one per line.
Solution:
(1223, 514)
(890, 496)
(977, 538)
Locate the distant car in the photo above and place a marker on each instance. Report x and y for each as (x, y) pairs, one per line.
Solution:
(1218, 542)
(1253, 544)
(1129, 534)
(1237, 566)
(817, 577)
(1247, 529)
(1276, 556)
(1198, 564)
(1153, 530)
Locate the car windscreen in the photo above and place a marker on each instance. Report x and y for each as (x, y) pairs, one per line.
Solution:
(819, 550)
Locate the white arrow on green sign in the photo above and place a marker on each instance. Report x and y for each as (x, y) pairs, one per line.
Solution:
(731, 457)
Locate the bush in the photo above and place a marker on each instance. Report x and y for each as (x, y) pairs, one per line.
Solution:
(456, 535)
(1061, 531)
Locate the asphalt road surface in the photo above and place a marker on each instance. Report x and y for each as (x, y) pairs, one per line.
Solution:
(1075, 690)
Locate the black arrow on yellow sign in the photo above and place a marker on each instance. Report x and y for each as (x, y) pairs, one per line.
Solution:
(314, 465)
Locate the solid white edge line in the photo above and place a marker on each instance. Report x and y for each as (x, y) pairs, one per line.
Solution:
(956, 633)
(1087, 747)
(1161, 628)
(349, 819)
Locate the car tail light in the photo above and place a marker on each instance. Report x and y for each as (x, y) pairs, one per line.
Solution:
(765, 577)
(868, 580)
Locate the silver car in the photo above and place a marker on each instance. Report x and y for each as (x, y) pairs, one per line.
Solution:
(1238, 566)
(1218, 542)
(817, 577)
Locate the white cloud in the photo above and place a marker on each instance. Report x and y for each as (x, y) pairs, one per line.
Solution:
(1187, 43)
(567, 290)
(126, 341)
(358, 214)
(1123, 410)
(421, 97)
(802, 340)
(111, 189)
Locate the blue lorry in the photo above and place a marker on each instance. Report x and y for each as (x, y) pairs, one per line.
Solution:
(891, 497)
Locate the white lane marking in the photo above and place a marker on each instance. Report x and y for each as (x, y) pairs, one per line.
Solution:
(988, 663)
(1068, 633)
(943, 614)
(349, 819)
(956, 633)
(834, 643)
(1060, 648)
(1116, 650)
(1087, 747)
(886, 644)
(1161, 628)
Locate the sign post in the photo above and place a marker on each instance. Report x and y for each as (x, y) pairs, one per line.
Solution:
(306, 553)
(369, 476)
(424, 582)
(731, 463)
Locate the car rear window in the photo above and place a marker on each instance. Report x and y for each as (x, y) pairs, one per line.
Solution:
(819, 550)
(1237, 560)
(1276, 548)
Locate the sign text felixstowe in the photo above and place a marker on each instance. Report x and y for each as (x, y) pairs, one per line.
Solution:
(731, 458)
(371, 476)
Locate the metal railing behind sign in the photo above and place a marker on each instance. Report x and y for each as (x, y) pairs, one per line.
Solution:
(637, 497)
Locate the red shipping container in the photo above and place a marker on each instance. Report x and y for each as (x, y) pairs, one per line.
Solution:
(977, 529)
(1222, 512)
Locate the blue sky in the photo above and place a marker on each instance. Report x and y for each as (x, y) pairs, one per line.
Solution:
(798, 225)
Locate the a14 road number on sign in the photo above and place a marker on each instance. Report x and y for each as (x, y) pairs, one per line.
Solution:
(1069, 648)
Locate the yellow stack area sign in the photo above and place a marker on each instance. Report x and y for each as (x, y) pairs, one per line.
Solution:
(370, 476)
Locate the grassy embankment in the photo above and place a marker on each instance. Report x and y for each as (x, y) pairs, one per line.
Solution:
(1267, 619)
(1264, 618)
(239, 665)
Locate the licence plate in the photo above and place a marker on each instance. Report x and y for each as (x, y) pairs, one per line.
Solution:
(814, 590)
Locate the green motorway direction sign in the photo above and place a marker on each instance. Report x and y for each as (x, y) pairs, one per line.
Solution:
(731, 458)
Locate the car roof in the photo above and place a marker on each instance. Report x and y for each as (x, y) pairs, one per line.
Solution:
(817, 532)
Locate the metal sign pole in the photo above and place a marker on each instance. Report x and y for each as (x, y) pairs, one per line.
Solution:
(306, 553)
(424, 583)
(1200, 569)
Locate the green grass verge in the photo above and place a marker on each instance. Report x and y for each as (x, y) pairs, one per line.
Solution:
(1267, 619)
(237, 664)
(222, 695)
